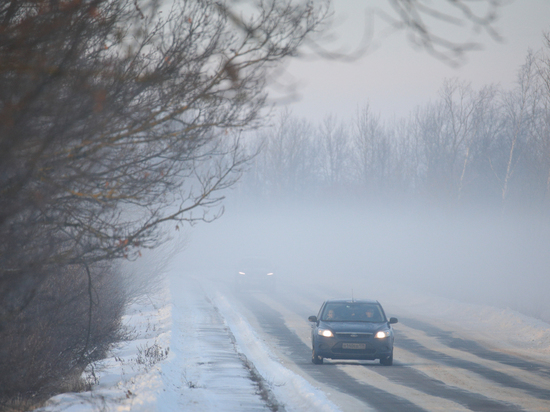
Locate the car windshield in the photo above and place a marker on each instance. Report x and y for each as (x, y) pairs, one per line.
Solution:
(352, 312)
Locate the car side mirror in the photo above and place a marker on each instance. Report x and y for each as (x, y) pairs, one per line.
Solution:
(393, 320)
(312, 318)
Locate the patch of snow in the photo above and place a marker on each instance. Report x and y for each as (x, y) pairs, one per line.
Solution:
(128, 379)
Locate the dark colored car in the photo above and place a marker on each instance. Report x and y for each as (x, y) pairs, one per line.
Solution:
(255, 273)
(352, 329)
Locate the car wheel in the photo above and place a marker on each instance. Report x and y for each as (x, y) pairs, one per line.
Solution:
(316, 359)
(388, 361)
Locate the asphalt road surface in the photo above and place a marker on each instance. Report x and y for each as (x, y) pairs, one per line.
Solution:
(434, 368)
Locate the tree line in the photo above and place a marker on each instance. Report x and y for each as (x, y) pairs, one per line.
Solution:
(490, 145)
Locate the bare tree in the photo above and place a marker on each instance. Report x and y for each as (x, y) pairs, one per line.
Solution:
(402, 178)
(448, 132)
(371, 149)
(464, 110)
(520, 106)
(428, 125)
(110, 107)
(287, 164)
(483, 143)
(542, 132)
(419, 17)
(121, 119)
(333, 142)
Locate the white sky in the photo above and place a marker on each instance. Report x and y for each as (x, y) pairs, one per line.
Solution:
(395, 78)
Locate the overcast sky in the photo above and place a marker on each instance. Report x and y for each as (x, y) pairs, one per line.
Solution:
(395, 77)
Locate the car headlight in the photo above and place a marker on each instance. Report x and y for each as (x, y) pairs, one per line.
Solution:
(382, 334)
(326, 333)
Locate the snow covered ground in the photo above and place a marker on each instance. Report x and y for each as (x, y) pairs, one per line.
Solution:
(211, 360)
(194, 350)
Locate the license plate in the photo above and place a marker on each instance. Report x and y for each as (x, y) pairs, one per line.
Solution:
(354, 345)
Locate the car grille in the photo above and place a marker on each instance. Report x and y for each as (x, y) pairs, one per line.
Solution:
(353, 336)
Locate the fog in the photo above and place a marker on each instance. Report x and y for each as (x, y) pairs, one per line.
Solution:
(490, 248)
(474, 256)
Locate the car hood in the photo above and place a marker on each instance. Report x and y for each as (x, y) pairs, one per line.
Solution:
(353, 326)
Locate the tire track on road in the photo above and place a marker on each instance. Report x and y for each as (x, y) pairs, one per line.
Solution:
(411, 377)
(273, 323)
(474, 348)
(492, 375)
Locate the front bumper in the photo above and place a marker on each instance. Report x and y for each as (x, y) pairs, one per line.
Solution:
(361, 348)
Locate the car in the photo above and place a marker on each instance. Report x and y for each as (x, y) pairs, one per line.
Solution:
(352, 329)
(255, 273)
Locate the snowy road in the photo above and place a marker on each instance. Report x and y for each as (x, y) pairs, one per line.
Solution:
(251, 351)
(435, 367)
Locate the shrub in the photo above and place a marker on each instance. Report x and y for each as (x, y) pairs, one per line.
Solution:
(71, 322)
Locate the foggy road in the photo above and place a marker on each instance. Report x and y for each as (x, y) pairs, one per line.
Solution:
(433, 369)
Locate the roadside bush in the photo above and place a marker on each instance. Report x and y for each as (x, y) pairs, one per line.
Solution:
(118, 118)
(72, 321)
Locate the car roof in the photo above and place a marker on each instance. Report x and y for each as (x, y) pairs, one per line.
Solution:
(352, 301)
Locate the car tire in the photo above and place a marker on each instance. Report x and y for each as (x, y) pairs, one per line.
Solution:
(316, 359)
(387, 361)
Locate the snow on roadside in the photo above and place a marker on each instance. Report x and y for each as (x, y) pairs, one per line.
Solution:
(290, 389)
(210, 360)
(498, 328)
(129, 378)
(205, 372)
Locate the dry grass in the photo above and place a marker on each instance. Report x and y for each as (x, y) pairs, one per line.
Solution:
(45, 350)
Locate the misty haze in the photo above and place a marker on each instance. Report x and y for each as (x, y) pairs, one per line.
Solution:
(472, 255)
(274, 205)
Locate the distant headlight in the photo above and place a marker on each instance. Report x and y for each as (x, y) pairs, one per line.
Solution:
(325, 332)
(269, 274)
(382, 334)
(242, 273)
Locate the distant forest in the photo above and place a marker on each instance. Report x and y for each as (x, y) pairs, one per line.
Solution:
(490, 145)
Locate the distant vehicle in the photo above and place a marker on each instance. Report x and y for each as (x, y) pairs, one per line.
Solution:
(352, 329)
(255, 273)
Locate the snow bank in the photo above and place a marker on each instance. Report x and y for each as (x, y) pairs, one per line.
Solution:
(129, 379)
(290, 389)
